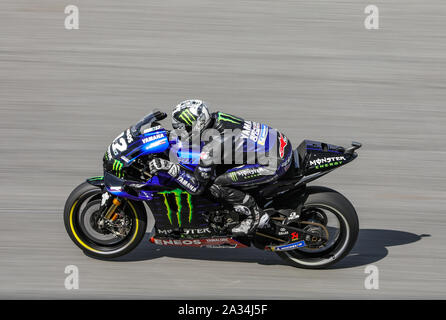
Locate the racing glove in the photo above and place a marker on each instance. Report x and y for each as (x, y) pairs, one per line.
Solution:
(187, 181)
(159, 164)
(204, 174)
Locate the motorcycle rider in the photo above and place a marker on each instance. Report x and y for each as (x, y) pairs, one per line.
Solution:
(252, 143)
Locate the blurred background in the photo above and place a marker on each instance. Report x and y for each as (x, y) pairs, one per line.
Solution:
(309, 68)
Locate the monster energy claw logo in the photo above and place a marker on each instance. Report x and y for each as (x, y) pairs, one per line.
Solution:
(227, 117)
(233, 176)
(117, 168)
(179, 204)
(187, 117)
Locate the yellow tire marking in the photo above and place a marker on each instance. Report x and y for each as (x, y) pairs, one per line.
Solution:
(88, 247)
(74, 232)
(136, 219)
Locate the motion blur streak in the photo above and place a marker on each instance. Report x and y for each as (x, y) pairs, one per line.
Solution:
(309, 68)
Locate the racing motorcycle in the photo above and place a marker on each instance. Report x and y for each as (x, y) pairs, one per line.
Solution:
(309, 226)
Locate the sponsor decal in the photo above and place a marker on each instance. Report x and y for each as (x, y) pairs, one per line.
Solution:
(215, 240)
(117, 168)
(129, 136)
(251, 130)
(181, 180)
(164, 231)
(283, 143)
(294, 236)
(179, 195)
(152, 129)
(185, 231)
(187, 117)
(197, 231)
(228, 118)
(290, 246)
(263, 135)
(177, 242)
(327, 162)
(247, 173)
(283, 232)
(205, 242)
(154, 137)
(223, 246)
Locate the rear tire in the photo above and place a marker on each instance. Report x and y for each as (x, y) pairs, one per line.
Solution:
(83, 197)
(332, 200)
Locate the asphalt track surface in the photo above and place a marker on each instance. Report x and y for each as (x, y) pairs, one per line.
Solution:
(309, 68)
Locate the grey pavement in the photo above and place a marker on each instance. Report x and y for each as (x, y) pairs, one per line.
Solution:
(308, 68)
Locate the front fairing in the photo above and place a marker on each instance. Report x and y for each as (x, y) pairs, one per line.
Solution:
(137, 190)
(127, 151)
(127, 148)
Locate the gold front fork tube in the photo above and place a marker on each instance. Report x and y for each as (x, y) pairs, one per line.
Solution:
(112, 209)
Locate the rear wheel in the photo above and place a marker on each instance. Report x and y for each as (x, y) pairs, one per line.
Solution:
(82, 222)
(329, 214)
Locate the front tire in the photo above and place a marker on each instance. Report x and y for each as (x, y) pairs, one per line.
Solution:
(79, 208)
(333, 201)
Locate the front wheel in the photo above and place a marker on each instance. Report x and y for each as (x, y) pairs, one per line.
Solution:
(326, 212)
(81, 217)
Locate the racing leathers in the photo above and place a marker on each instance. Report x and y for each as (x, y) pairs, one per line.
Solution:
(235, 153)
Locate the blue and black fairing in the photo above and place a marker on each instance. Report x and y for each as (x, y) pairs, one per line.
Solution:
(148, 143)
(132, 144)
(121, 175)
(126, 148)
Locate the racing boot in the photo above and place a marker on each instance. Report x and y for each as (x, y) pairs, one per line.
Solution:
(245, 205)
(253, 216)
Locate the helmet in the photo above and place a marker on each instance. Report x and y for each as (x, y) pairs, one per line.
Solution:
(191, 115)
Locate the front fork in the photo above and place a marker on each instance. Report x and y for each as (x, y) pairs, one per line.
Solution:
(110, 219)
(110, 215)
